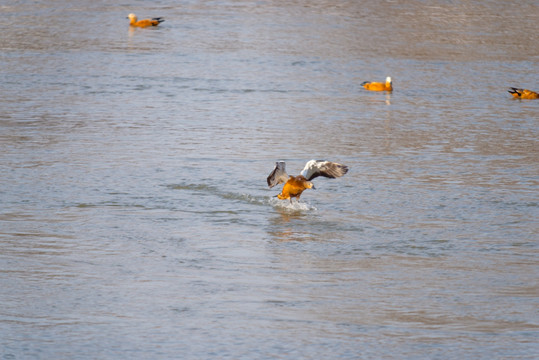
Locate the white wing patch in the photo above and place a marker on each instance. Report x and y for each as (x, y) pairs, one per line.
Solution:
(315, 168)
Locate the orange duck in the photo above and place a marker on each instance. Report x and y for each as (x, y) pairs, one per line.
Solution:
(523, 93)
(143, 23)
(295, 185)
(378, 86)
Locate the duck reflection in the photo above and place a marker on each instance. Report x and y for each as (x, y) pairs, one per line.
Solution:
(292, 225)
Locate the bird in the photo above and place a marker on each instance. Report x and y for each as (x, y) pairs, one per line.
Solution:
(295, 185)
(523, 93)
(378, 86)
(143, 23)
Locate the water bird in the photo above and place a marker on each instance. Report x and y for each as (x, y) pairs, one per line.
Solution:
(378, 86)
(523, 93)
(144, 23)
(295, 185)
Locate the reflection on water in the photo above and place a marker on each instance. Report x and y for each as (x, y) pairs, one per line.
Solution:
(135, 218)
(292, 222)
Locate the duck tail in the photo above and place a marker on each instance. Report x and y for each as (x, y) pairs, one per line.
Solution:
(514, 90)
(517, 93)
(159, 19)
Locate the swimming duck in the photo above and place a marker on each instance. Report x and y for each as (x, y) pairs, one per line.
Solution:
(523, 93)
(144, 23)
(295, 185)
(378, 86)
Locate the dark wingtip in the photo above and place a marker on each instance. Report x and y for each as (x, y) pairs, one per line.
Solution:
(515, 91)
(343, 169)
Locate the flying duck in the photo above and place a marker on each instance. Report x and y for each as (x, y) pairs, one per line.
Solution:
(378, 86)
(294, 185)
(144, 23)
(523, 93)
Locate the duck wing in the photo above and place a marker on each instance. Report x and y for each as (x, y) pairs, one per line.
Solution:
(315, 168)
(278, 175)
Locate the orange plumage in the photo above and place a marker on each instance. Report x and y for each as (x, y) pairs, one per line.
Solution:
(294, 187)
(523, 93)
(378, 86)
(133, 21)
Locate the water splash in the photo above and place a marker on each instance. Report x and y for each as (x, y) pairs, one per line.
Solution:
(294, 206)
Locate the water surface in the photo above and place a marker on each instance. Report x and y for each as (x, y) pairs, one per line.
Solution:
(135, 220)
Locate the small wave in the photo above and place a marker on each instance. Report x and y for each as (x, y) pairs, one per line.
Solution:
(195, 187)
(215, 191)
(257, 200)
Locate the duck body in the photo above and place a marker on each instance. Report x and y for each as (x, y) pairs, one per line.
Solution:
(523, 94)
(378, 86)
(133, 21)
(294, 187)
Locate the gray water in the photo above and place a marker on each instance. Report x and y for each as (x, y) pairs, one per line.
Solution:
(135, 219)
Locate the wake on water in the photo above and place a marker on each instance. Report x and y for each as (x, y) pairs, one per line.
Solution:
(285, 205)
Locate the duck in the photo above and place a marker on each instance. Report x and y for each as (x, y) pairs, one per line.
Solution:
(144, 23)
(295, 185)
(523, 93)
(378, 86)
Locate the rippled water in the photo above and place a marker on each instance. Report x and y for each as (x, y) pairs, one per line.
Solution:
(135, 219)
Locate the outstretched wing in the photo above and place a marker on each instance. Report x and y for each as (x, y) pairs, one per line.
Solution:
(278, 175)
(315, 168)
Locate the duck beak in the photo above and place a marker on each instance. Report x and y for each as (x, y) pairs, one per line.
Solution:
(314, 188)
